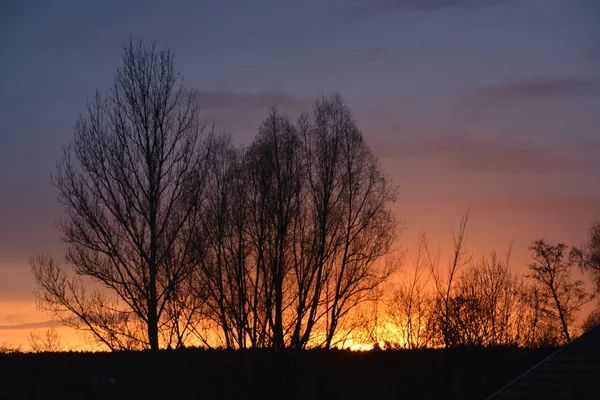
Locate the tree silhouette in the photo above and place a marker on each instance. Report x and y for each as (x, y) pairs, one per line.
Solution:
(129, 184)
(588, 256)
(410, 309)
(175, 237)
(444, 283)
(47, 341)
(562, 296)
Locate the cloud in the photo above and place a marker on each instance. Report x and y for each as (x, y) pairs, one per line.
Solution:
(368, 8)
(523, 202)
(532, 89)
(31, 325)
(504, 154)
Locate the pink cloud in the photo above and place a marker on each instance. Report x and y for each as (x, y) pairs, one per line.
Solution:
(507, 154)
(506, 94)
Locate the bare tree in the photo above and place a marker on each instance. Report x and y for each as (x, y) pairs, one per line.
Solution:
(487, 305)
(410, 309)
(128, 182)
(588, 256)
(368, 226)
(7, 348)
(553, 274)
(591, 321)
(222, 263)
(535, 328)
(47, 341)
(444, 283)
(346, 226)
(275, 183)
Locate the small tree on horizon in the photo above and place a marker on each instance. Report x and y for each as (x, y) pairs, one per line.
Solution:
(563, 296)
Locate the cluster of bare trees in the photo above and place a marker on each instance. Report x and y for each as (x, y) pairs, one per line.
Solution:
(176, 236)
(484, 303)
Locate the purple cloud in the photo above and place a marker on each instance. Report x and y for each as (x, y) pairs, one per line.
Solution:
(520, 201)
(506, 154)
(369, 8)
(532, 89)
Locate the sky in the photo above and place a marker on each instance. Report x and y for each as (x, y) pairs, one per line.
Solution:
(487, 104)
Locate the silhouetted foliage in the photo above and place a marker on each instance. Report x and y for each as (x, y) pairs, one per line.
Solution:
(193, 239)
(7, 348)
(176, 238)
(128, 183)
(410, 310)
(486, 307)
(298, 224)
(591, 321)
(474, 303)
(444, 306)
(561, 297)
(588, 256)
(47, 341)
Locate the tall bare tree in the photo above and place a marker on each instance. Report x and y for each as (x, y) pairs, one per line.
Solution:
(347, 226)
(129, 183)
(367, 223)
(275, 175)
(445, 282)
(552, 272)
(223, 250)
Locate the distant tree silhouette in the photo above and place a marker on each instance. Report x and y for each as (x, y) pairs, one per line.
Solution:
(535, 327)
(47, 341)
(445, 282)
(129, 184)
(561, 296)
(487, 306)
(473, 303)
(410, 309)
(591, 321)
(7, 348)
(588, 256)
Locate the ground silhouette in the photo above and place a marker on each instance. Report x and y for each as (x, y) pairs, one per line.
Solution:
(458, 373)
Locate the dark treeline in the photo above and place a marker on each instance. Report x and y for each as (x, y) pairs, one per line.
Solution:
(266, 374)
(178, 237)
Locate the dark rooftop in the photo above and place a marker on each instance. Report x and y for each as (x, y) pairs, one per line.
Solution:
(572, 372)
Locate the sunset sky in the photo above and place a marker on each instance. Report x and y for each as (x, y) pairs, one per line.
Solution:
(488, 104)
